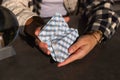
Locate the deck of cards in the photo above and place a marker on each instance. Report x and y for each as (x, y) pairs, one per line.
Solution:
(59, 37)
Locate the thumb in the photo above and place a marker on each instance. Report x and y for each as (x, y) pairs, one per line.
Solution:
(67, 19)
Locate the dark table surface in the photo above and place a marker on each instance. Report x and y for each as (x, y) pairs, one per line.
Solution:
(103, 63)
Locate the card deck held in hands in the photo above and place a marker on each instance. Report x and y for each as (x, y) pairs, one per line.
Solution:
(59, 37)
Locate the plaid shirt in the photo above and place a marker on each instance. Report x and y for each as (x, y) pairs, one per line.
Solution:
(100, 16)
(99, 13)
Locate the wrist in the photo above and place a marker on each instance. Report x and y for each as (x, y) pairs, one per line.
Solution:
(32, 25)
(29, 21)
(97, 35)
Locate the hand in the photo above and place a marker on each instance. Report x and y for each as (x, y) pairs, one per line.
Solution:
(43, 46)
(81, 48)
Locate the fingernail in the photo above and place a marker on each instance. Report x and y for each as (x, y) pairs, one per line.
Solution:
(59, 65)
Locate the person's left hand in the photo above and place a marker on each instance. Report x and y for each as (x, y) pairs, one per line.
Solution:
(42, 45)
(81, 48)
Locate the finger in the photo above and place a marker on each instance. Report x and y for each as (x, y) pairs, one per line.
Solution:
(37, 31)
(46, 51)
(75, 46)
(67, 19)
(77, 55)
(44, 48)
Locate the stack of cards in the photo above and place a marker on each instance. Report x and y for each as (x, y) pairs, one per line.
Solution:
(58, 36)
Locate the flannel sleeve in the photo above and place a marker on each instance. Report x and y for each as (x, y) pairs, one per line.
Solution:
(101, 17)
(20, 9)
